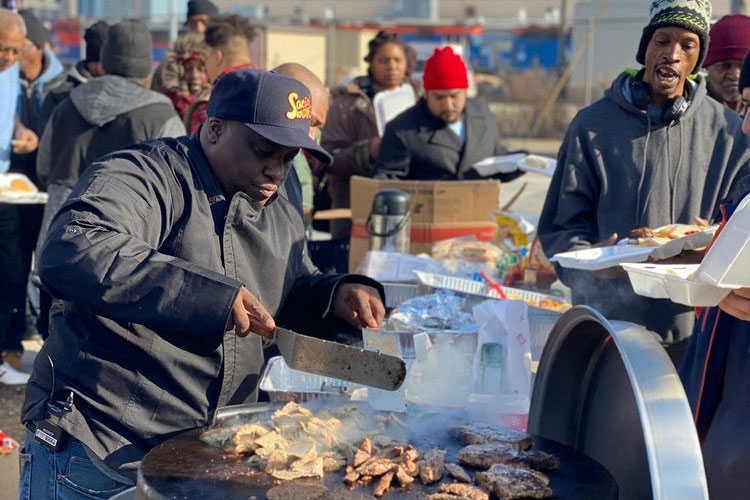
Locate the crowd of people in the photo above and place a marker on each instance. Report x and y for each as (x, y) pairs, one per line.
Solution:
(173, 238)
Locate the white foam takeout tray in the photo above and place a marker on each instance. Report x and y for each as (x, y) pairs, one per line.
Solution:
(20, 198)
(725, 267)
(597, 259)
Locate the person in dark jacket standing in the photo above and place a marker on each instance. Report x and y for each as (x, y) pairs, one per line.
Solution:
(351, 132)
(444, 134)
(169, 257)
(83, 71)
(656, 150)
(100, 116)
(40, 72)
(716, 375)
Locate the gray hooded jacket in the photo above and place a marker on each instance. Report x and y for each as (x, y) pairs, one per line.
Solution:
(102, 115)
(620, 168)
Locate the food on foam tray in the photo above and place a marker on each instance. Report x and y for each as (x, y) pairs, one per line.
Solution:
(656, 237)
(297, 447)
(17, 185)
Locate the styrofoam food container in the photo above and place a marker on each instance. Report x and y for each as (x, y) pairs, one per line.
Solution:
(597, 259)
(727, 263)
(20, 197)
(676, 283)
(725, 267)
(538, 164)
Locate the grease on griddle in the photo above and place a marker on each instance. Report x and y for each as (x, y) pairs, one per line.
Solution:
(297, 491)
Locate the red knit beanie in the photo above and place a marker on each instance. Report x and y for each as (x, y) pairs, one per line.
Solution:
(730, 39)
(444, 71)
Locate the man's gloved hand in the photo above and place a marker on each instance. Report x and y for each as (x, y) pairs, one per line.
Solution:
(249, 316)
(358, 305)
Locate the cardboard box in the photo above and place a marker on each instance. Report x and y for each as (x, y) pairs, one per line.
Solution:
(440, 210)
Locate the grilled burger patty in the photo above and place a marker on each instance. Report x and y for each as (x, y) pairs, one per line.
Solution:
(483, 456)
(484, 434)
(509, 482)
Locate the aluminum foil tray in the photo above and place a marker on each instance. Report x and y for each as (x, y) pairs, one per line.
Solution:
(284, 384)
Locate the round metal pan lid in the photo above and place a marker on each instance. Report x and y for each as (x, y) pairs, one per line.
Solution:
(610, 391)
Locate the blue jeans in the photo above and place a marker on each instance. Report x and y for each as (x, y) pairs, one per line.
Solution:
(67, 474)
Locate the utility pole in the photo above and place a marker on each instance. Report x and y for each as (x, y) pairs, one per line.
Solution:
(173, 28)
(741, 7)
(562, 36)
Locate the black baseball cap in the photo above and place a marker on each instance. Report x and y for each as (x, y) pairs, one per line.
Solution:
(276, 107)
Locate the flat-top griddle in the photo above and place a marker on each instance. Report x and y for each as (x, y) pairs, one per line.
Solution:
(185, 468)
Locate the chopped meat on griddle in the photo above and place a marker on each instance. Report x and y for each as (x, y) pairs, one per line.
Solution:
(508, 482)
(297, 491)
(360, 457)
(464, 491)
(384, 484)
(272, 441)
(375, 466)
(432, 466)
(483, 456)
(458, 473)
(351, 477)
(366, 446)
(483, 434)
(243, 441)
(404, 478)
(445, 496)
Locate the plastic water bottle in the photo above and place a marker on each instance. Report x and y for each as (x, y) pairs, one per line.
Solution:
(491, 368)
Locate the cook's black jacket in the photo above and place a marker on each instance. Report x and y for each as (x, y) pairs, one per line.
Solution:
(147, 282)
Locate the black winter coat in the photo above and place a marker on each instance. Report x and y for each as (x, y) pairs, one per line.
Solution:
(419, 146)
(147, 256)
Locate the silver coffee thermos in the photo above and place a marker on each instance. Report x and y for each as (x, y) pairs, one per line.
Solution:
(389, 223)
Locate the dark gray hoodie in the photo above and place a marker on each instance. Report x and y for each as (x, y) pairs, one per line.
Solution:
(101, 116)
(620, 168)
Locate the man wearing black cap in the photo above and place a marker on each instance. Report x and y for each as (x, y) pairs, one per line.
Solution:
(173, 258)
(199, 13)
(83, 71)
(656, 150)
(101, 116)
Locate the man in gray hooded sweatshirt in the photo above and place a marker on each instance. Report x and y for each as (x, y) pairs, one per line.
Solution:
(103, 115)
(655, 150)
